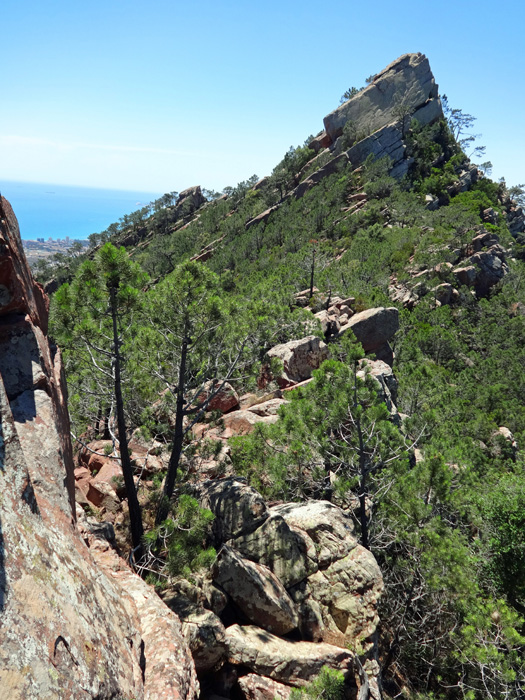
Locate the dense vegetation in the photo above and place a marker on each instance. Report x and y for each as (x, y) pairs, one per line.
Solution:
(447, 528)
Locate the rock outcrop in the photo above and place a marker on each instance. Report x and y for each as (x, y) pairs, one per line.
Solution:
(299, 358)
(293, 567)
(256, 591)
(373, 328)
(76, 622)
(286, 661)
(406, 84)
(480, 265)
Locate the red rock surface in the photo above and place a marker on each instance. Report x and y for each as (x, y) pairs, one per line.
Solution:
(76, 622)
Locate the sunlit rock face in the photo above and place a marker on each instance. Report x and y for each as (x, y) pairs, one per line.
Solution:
(406, 85)
(75, 622)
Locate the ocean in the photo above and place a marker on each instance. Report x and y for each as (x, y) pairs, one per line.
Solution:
(56, 211)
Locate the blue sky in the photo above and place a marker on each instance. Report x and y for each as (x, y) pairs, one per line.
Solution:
(168, 94)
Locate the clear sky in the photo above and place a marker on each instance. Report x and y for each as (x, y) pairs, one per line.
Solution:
(163, 95)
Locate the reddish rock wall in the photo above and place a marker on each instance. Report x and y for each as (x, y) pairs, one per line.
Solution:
(75, 622)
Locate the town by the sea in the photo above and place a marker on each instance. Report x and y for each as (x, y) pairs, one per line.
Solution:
(60, 211)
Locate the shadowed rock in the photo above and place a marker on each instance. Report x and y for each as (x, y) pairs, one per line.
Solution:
(256, 591)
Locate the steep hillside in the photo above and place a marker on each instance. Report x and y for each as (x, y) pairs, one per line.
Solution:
(318, 377)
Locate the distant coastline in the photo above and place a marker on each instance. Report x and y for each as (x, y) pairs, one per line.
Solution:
(46, 210)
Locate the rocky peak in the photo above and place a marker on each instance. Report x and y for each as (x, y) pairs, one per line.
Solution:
(407, 83)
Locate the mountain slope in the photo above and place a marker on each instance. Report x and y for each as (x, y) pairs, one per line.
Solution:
(382, 211)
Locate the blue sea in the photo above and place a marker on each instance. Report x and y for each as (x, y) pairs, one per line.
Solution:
(57, 211)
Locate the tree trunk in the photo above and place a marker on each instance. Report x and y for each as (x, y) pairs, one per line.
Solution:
(312, 273)
(363, 471)
(135, 515)
(178, 438)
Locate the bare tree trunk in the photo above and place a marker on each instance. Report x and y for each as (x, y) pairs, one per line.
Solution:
(312, 273)
(178, 438)
(135, 515)
(363, 472)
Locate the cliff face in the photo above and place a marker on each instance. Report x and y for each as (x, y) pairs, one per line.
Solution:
(75, 622)
(405, 83)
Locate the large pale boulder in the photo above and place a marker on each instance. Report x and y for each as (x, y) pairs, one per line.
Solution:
(385, 380)
(347, 592)
(279, 547)
(299, 358)
(294, 663)
(346, 586)
(256, 591)
(406, 84)
(330, 529)
(373, 327)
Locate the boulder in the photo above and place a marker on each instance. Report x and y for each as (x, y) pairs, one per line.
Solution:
(373, 327)
(347, 593)
(254, 687)
(330, 322)
(226, 399)
(238, 508)
(490, 216)
(445, 294)
(330, 529)
(110, 473)
(249, 400)
(256, 591)
(285, 551)
(492, 267)
(503, 443)
(189, 201)
(82, 478)
(320, 142)
(102, 495)
(299, 358)
(294, 663)
(485, 239)
(407, 82)
(385, 354)
(342, 594)
(202, 629)
(516, 221)
(260, 184)
(465, 275)
(267, 408)
(243, 422)
(386, 382)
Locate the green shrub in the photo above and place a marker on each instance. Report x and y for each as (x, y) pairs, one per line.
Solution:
(329, 685)
(182, 538)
